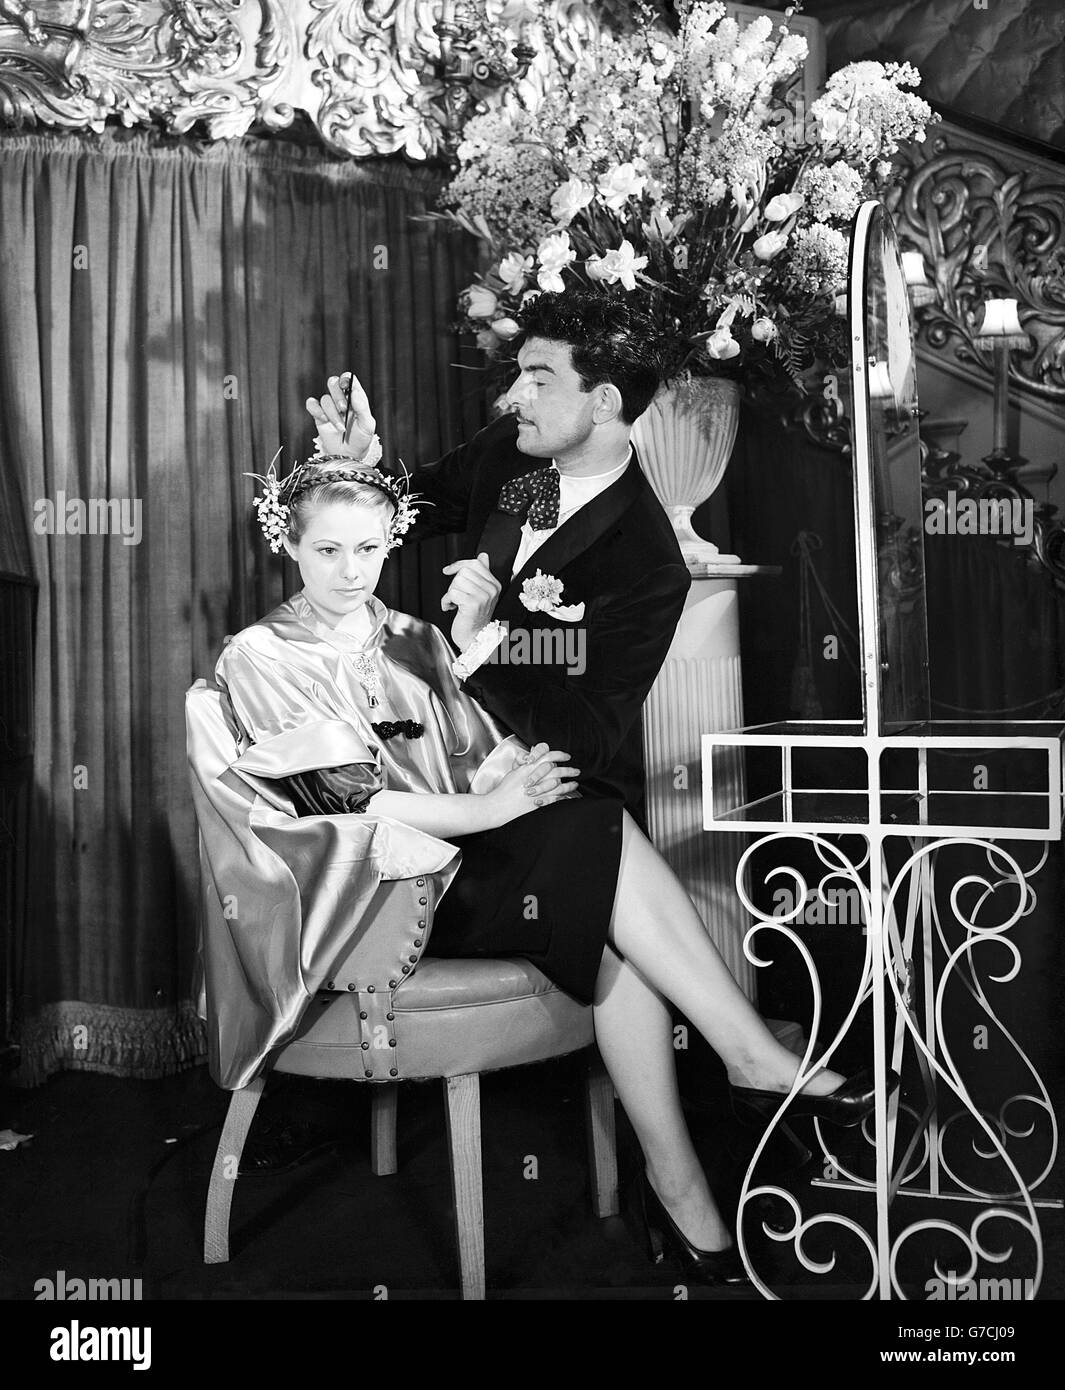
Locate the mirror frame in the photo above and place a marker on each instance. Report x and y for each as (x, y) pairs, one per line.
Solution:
(873, 230)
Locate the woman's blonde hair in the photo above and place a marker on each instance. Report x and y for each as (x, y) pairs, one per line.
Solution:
(353, 493)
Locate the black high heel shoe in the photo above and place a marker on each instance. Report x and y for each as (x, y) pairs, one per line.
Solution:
(847, 1105)
(704, 1266)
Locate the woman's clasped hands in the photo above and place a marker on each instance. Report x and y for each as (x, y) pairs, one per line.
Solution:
(537, 780)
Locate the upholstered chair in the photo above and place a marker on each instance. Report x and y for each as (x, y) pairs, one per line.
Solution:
(387, 1014)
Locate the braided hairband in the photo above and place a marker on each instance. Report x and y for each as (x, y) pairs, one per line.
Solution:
(275, 505)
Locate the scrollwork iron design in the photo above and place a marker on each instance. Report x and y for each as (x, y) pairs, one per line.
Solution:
(994, 1130)
(753, 1196)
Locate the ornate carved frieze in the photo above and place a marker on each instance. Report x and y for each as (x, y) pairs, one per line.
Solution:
(373, 100)
(363, 70)
(990, 221)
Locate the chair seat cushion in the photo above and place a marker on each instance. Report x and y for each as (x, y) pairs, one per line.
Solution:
(452, 1017)
(453, 984)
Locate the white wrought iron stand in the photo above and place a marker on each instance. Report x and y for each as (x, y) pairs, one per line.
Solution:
(924, 805)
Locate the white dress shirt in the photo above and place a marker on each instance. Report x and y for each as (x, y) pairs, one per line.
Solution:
(573, 494)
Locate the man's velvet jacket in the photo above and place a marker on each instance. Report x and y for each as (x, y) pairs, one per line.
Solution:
(618, 556)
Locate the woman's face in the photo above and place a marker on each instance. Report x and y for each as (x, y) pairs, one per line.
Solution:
(340, 555)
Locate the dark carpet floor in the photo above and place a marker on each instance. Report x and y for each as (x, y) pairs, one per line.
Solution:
(112, 1185)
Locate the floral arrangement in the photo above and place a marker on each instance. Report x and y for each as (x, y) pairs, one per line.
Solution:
(682, 169)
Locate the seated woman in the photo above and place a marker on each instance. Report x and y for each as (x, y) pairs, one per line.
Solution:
(568, 882)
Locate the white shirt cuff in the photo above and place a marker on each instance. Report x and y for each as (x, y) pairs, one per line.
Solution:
(479, 650)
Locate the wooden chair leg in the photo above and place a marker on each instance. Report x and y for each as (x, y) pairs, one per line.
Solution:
(241, 1112)
(383, 1104)
(463, 1098)
(602, 1138)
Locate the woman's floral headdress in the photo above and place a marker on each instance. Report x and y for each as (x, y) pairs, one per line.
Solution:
(275, 504)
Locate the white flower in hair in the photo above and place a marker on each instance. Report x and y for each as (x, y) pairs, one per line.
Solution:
(404, 519)
(273, 513)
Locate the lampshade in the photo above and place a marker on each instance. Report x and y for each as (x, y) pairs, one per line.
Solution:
(999, 324)
(921, 292)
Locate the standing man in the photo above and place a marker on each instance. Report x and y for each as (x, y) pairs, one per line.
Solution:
(567, 607)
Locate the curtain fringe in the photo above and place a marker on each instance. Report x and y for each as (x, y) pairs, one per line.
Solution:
(140, 1043)
(273, 152)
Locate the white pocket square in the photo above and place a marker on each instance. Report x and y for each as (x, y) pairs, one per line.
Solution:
(567, 613)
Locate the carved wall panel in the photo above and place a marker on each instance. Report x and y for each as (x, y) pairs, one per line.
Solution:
(361, 69)
(990, 220)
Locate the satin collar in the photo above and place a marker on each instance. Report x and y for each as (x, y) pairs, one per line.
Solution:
(340, 637)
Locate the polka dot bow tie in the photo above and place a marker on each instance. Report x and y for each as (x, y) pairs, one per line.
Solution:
(533, 497)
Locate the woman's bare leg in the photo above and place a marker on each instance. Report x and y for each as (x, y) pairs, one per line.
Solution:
(656, 927)
(634, 1030)
(669, 955)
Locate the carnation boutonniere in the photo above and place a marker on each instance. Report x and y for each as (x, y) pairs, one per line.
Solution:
(541, 594)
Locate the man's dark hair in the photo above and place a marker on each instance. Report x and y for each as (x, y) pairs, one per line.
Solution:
(609, 337)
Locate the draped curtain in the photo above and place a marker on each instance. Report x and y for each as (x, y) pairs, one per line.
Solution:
(996, 631)
(780, 487)
(166, 307)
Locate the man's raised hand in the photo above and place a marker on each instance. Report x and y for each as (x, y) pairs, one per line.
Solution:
(344, 426)
(473, 592)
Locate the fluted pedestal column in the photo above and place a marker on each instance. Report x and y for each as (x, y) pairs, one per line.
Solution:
(699, 691)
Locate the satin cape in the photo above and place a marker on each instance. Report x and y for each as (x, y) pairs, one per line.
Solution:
(283, 894)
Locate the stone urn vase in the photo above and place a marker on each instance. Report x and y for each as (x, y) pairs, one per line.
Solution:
(684, 439)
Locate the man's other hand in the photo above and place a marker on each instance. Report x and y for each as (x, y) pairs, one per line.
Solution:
(473, 593)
